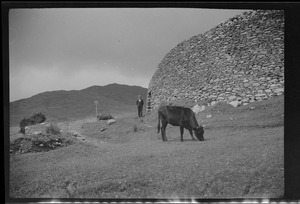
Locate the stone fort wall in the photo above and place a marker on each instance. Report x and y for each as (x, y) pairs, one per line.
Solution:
(239, 60)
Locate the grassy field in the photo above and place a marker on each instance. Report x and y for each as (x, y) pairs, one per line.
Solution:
(242, 156)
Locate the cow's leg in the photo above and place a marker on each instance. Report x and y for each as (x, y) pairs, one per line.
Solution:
(191, 133)
(163, 130)
(181, 132)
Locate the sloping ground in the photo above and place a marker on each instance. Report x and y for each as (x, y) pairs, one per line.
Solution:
(242, 156)
(66, 105)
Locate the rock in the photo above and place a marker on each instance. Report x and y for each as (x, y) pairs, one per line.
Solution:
(268, 91)
(202, 108)
(105, 117)
(259, 95)
(246, 85)
(37, 133)
(196, 109)
(260, 91)
(75, 134)
(245, 100)
(213, 96)
(208, 116)
(111, 121)
(102, 129)
(235, 103)
(231, 98)
(213, 103)
(273, 86)
(279, 90)
(252, 108)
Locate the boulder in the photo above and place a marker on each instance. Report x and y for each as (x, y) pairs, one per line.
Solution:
(105, 117)
(196, 109)
(235, 103)
(111, 121)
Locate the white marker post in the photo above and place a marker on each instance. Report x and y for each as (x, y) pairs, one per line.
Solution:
(96, 104)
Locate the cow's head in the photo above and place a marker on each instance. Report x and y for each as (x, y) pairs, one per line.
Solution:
(199, 132)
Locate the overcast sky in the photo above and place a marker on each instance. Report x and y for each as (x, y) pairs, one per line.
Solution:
(72, 49)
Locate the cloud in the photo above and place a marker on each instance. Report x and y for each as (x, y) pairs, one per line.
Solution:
(73, 48)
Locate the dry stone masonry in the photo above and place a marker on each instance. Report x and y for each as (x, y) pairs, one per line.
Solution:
(240, 61)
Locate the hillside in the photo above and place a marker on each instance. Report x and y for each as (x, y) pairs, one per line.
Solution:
(242, 156)
(75, 104)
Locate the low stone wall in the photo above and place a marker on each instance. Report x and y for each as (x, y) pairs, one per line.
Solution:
(239, 60)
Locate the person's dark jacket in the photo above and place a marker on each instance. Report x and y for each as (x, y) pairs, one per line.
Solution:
(140, 103)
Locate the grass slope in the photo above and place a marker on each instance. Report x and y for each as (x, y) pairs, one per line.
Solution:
(241, 157)
(64, 105)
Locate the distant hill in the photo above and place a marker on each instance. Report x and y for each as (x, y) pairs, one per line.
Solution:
(64, 105)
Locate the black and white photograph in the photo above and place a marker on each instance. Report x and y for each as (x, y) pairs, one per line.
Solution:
(146, 103)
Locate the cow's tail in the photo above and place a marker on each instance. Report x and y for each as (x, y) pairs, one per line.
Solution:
(158, 125)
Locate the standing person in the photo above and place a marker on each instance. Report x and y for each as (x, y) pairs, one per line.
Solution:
(140, 104)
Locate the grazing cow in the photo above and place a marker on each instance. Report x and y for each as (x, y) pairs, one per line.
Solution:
(179, 116)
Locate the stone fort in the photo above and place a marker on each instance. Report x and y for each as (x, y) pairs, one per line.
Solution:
(240, 60)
